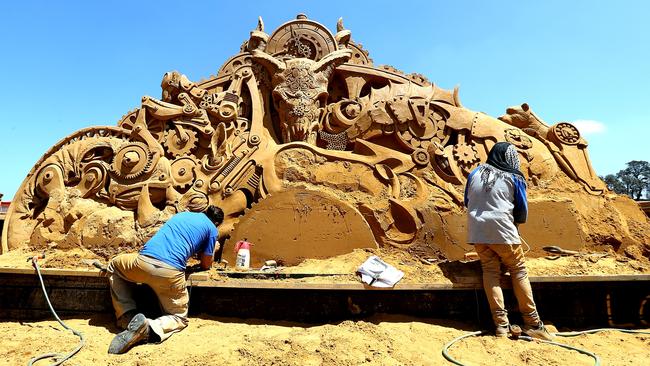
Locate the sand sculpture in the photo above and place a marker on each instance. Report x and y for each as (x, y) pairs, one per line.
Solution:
(312, 151)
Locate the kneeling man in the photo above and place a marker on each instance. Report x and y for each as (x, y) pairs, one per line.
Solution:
(161, 265)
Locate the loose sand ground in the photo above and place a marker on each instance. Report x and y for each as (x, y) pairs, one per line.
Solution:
(380, 340)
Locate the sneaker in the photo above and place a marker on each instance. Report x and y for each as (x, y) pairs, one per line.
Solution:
(538, 332)
(124, 320)
(136, 332)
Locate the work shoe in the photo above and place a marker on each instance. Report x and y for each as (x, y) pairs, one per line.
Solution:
(507, 330)
(136, 332)
(502, 330)
(124, 319)
(538, 332)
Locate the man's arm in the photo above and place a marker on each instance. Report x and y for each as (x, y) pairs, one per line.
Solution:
(207, 259)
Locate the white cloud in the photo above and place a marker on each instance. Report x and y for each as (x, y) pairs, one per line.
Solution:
(589, 127)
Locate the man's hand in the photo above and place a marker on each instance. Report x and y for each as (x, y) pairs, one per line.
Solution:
(36, 258)
(206, 261)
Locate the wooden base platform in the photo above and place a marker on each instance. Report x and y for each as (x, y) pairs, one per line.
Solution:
(572, 302)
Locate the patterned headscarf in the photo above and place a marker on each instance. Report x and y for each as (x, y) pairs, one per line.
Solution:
(504, 156)
(502, 159)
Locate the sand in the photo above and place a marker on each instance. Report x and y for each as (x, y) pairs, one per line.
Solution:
(416, 270)
(379, 340)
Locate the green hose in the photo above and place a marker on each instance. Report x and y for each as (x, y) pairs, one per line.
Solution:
(58, 357)
(580, 350)
(445, 349)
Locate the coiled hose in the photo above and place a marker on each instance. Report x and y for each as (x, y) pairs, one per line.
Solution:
(59, 358)
(445, 349)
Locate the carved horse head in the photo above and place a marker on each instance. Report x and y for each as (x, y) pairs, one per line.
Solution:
(300, 91)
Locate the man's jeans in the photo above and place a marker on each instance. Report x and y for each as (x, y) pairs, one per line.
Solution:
(167, 282)
(512, 256)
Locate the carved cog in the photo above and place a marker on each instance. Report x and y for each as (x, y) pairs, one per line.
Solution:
(301, 38)
(156, 127)
(420, 157)
(566, 133)
(416, 136)
(419, 79)
(518, 138)
(301, 46)
(466, 155)
(234, 63)
(183, 172)
(359, 55)
(175, 145)
(131, 161)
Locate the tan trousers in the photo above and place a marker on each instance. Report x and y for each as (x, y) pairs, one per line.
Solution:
(125, 270)
(512, 256)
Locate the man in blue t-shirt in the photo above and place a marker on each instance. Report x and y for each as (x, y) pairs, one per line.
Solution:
(161, 265)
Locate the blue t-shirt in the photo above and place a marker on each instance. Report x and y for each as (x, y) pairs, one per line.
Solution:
(185, 234)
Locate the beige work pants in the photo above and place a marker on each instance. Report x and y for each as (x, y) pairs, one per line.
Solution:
(125, 270)
(512, 256)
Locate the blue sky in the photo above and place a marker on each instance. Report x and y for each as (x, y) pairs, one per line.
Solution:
(69, 65)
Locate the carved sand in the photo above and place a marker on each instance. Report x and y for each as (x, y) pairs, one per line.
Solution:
(312, 151)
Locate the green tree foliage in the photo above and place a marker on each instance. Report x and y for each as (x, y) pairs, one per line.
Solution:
(634, 180)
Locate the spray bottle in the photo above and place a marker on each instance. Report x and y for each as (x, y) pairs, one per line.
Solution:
(243, 250)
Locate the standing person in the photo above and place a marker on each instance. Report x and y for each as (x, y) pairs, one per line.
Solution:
(495, 197)
(161, 265)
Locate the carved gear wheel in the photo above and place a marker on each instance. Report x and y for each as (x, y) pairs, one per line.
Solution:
(155, 127)
(175, 146)
(518, 138)
(420, 157)
(416, 136)
(566, 133)
(131, 161)
(359, 55)
(465, 154)
(301, 38)
(183, 172)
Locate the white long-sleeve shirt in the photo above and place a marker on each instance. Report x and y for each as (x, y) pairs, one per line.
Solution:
(492, 213)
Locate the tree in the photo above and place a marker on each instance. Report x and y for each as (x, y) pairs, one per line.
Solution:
(614, 184)
(633, 180)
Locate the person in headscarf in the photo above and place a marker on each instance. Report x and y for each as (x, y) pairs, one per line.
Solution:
(495, 197)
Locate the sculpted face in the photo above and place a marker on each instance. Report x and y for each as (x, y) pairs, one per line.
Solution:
(299, 95)
(300, 91)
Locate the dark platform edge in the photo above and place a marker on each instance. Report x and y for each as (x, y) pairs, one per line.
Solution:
(566, 301)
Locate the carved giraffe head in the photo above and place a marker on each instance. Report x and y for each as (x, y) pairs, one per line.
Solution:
(518, 116)
(300, 91)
